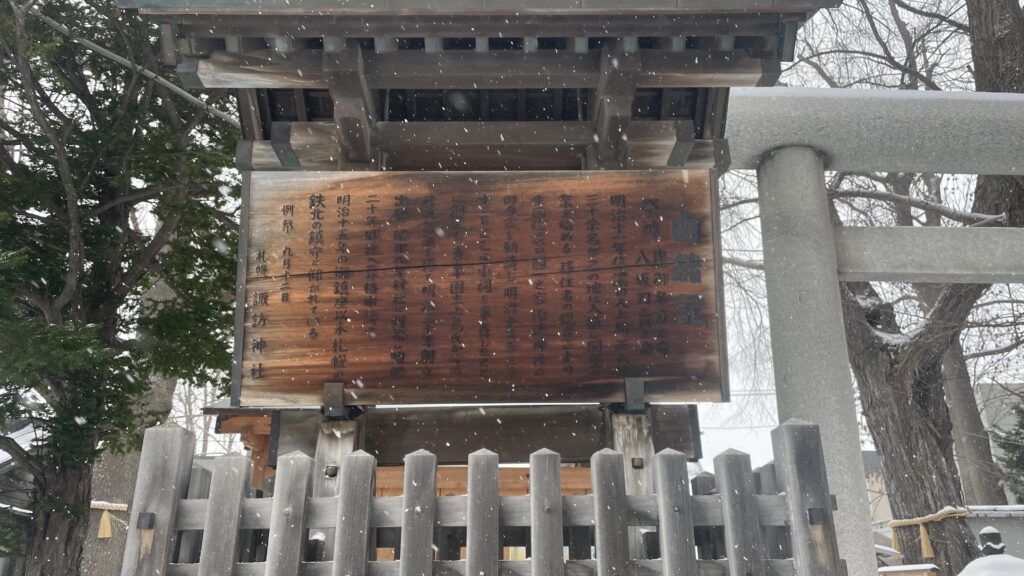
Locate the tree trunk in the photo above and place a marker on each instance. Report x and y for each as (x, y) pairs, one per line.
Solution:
(55, 544)
(981, 477)
(902, 399)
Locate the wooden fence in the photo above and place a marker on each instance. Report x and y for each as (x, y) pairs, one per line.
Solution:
(724, 527)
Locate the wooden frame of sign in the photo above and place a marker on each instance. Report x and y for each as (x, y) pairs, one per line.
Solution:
(477, 287)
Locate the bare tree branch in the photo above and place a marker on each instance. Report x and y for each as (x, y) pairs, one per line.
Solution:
(750, 264)
(955, 215)
(959, 26)
(996, 351)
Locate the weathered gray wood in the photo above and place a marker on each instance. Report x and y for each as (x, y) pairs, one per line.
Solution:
(546, 513)
(457, 145)
(675, 514)
(709, 539)
(231, 475)
(419, 503)
(451, 433)
(508, 568)
(745, 550)
(354, 107)
(483, 547)
(288, 515)
(334, 440)
(800, 470)
(192, 540)
(386, 512)
(633, 437)
(776, 538)
(610, 513)
(162, 482)
(616, 88)
(351, 547)
(453, 70)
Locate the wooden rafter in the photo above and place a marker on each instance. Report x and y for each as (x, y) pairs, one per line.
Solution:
(448, 70)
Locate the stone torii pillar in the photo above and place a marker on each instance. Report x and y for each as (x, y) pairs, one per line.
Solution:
(812, 367)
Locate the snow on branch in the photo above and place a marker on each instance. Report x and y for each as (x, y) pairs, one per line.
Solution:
(971, 218)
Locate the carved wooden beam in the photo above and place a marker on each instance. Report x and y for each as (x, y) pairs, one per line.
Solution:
(449, 70)
(616, 87)
(354, 108)
(482, 145)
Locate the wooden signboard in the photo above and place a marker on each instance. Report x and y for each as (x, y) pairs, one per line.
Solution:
(465, 287)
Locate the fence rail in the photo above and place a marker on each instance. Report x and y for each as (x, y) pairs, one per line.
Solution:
(775, 521)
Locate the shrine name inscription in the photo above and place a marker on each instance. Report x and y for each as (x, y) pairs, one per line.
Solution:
(445, 287)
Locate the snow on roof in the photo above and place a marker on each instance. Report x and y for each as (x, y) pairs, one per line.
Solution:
(24, 436)
(998, 565)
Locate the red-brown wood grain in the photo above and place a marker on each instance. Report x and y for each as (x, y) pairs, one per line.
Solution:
(480, 287)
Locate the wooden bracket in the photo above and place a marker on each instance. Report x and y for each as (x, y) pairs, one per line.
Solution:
(334, 403)
(634, 403)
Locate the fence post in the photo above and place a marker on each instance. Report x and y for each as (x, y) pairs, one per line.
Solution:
(745, 549)
(776, 538)
(231, 474)
(675, 514)
(546, 513)
(285, 545)
(800, 470)
(418, 509)
(351, 549)
(164, 469)
(710, 540)
(483, 546)
(192, 540)
(610, 513)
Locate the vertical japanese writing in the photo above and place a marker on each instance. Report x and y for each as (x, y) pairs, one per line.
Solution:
(457, 286)
(648, 279)
(566, 284)
(428, 291)
(342, 286)
(595, 315)
(539, 264)
(400, 284)
(488, 286)
(484, 287)
(315, 246)
(510, 253)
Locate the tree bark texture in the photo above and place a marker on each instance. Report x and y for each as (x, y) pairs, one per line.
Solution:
(901, 394)
(980, 475)
(56, 540)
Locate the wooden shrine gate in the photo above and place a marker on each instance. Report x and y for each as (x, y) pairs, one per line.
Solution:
(778, 522)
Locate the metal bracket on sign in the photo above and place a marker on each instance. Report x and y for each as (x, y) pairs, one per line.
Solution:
(334, 403)
(634, 392)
